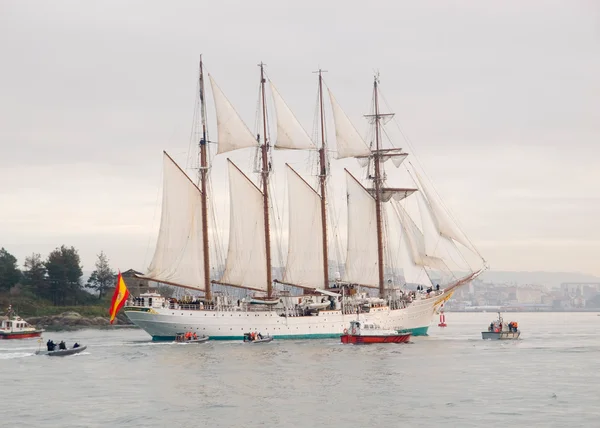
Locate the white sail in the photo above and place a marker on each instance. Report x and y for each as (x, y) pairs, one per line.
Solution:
(290, 134)
(417, 242)
(413, 274)
(430, 232)
(178, 257)
(445, 225)
(305, 246)
(233, 132)
(246, 255)
(348, 140)
(362, 256)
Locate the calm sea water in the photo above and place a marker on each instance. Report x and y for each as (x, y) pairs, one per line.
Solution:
(452, 378)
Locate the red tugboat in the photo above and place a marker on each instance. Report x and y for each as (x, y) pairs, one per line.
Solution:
(15, 327)
(367, 332)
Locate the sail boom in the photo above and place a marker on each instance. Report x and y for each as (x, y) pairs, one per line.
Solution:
(379, 115)
(304, 287)
(174, 284)
(237, 286)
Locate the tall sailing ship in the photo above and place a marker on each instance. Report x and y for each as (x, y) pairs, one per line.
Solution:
(381, 235)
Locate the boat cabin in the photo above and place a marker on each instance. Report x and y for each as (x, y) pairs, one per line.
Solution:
(14, 322)
(16, 327)
(148, 300)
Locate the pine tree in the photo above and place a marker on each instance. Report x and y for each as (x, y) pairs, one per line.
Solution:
(9, 273)
(34, 275)
(103, 278)
(64, 274)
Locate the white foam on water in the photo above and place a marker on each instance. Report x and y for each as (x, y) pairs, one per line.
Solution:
(13, 355)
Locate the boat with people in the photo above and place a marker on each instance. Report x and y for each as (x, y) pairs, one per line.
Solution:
(189, 337)
(52, 351)
(499, 330)
(15, 327)
(361, 332)
(388, 228)
(254, 337)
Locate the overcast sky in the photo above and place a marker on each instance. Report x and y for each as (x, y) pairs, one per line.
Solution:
(501, 102)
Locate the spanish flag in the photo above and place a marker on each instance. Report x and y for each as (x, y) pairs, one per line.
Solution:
(119, 298)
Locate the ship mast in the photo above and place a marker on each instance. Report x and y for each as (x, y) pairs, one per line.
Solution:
(322, 179)
(265, 181)
(203, 179)
(378, 182)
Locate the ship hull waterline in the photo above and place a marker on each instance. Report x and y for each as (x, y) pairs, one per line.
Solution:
(163, 324)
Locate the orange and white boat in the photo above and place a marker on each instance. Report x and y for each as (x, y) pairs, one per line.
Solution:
(15, 327)
(368, 332)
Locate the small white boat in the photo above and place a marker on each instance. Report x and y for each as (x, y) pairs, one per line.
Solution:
(15, 327)
(264, 301)
(318, 305)
(62, 352)
(499, 330)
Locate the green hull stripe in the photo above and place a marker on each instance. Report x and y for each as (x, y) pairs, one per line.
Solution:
(419, 331)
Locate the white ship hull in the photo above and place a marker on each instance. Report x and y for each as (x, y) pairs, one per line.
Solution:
(164, 323)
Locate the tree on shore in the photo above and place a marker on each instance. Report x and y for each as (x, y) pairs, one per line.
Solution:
(103, 278)
(34, 275)
(64, 275)
(9, 272)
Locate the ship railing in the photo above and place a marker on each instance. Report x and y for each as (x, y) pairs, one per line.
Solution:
(135, 303)
(218, 307)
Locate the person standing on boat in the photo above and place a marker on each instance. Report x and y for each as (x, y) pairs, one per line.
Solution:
(62, 345)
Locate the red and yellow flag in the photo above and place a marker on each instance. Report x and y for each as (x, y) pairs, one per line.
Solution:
(119, 298)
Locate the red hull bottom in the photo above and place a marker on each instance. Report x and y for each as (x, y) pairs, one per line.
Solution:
(20, 335)
(401, 338)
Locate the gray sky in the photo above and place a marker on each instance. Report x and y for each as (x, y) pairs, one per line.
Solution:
(500, 101)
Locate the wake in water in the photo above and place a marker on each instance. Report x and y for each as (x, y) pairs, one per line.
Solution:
(13, 355)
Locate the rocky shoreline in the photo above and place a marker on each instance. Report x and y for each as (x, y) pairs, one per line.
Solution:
(74, 321)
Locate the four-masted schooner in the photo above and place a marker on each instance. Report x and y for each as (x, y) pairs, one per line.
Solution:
(381, 234)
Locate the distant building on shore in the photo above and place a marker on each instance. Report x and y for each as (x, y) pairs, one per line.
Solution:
(135, 285)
